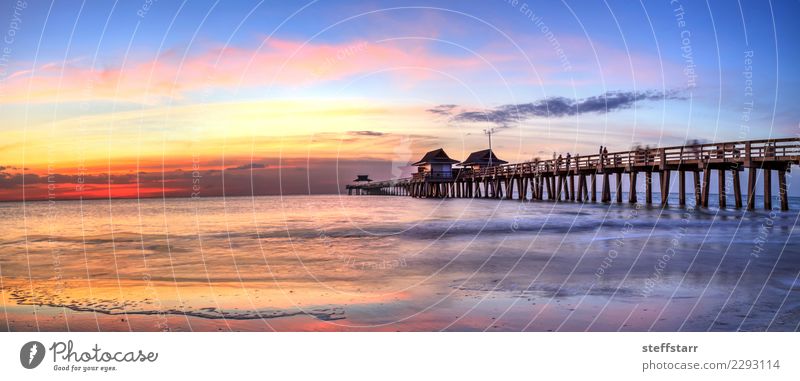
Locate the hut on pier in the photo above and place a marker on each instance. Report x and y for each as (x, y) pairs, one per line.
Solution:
(436, 164)
(362, 179)
(482, 159)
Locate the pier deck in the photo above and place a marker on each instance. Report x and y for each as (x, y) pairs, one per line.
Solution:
(555, 180)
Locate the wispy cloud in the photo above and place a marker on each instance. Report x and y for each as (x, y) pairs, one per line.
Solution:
(557, 107)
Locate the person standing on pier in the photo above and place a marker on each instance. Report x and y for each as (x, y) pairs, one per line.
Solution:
(558, 164)
(600, 158)
(605, 155)
(569, 157)
(694, 148)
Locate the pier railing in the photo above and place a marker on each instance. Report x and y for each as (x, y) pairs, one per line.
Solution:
(434, 175)
(772, 149)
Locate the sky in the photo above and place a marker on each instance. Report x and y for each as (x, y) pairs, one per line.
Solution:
(146, 98)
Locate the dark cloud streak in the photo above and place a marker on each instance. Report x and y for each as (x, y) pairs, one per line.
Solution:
(248, 166)
(557, 107)
(366, 133)
(443, 110)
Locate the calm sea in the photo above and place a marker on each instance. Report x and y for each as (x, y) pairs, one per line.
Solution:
(395, 263)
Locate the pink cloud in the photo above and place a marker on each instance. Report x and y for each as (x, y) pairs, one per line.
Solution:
(277, 62)
(295, 64)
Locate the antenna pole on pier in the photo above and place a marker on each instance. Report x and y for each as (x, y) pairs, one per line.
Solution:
(489, 132)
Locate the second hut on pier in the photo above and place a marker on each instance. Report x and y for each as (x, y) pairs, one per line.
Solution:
(482, 159)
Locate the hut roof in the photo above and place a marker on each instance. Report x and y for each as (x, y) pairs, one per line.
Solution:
(437, 156)
(361, 178)
(482, 158)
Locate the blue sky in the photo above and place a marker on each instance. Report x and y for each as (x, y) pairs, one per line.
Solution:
(720, 31)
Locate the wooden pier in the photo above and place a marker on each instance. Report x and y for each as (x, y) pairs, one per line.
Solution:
(577, 178)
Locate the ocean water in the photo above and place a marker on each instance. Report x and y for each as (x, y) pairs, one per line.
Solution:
(299, 263)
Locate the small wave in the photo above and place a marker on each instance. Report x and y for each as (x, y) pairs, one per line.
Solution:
(113, 307)
(88, 239)
(787, 283)
(550, 290)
